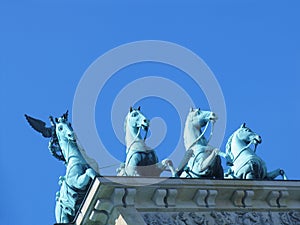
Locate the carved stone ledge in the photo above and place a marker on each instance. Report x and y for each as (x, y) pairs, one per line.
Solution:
(200, 198)
(202, 201)
(273, 198)
(237, 198)
(101, 211)
(206, 198)
(223, 218)
(242, 198)
(171, 197)
(159, 197)
(211, 198)
(104, 205)
(117, 196)
(99, 217)
(282, 201)
(249, 194)
(129, 197)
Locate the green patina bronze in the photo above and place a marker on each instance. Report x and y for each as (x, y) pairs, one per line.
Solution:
(243, 161)
(201, 160)
(141, 160)
(80, 169)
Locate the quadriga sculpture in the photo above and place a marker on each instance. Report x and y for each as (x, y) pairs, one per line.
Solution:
(242, 159)
(141, 160)
(79, 173)
(200, 160)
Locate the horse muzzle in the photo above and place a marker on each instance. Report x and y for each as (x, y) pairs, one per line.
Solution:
(145, 124)
(71, 137)
(213, 117)
(257, 139)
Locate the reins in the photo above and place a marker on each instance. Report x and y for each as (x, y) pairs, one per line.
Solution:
(243, 149)
(202, 134)
(134, 140)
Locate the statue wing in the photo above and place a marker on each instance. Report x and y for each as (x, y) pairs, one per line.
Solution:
(39, 126)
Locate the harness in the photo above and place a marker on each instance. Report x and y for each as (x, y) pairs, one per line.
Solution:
(243, 149)
(231, 172)
(135, 139)
(72, 194)
(133, 152)
(138, 151)
(187, 169)
(201, 135)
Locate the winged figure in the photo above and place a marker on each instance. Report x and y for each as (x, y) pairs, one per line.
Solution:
(40, 126)
(47, 132)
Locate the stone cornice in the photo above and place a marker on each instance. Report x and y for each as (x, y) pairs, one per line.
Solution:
(112, 199)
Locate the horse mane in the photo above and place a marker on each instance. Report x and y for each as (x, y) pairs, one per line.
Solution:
(185, 132)
(90, 161)
(228, 146)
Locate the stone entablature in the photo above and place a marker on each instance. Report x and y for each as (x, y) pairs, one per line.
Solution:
(137, 201)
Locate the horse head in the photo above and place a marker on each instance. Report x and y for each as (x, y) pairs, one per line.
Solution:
(240, 141)
(64, 130)
(247, 136)
(201, 159)
(199, 118)
(136, 119)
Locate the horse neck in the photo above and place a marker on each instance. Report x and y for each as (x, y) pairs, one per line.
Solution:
(71, 152)
(237, 146)
(133, 139)
(191, 133)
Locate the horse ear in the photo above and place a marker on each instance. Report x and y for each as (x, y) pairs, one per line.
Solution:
(65, 115)
(199, 109)
(139, 108)
(243, 125)
(56, 120)
(191, 109)
(130, 109)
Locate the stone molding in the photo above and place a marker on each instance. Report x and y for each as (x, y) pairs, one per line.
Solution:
(143, 200)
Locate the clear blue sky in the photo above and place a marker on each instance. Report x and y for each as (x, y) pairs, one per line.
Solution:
(252, 47)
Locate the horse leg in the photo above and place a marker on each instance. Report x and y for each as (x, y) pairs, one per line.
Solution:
(253, 170)
(58, 212)
(283, 174)
(218, 171)
(204, 163)
(121, 170)
(273, 174)
(78, 177)
(250, 176)
(61, 214)
(166, 165)
(131, 165)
